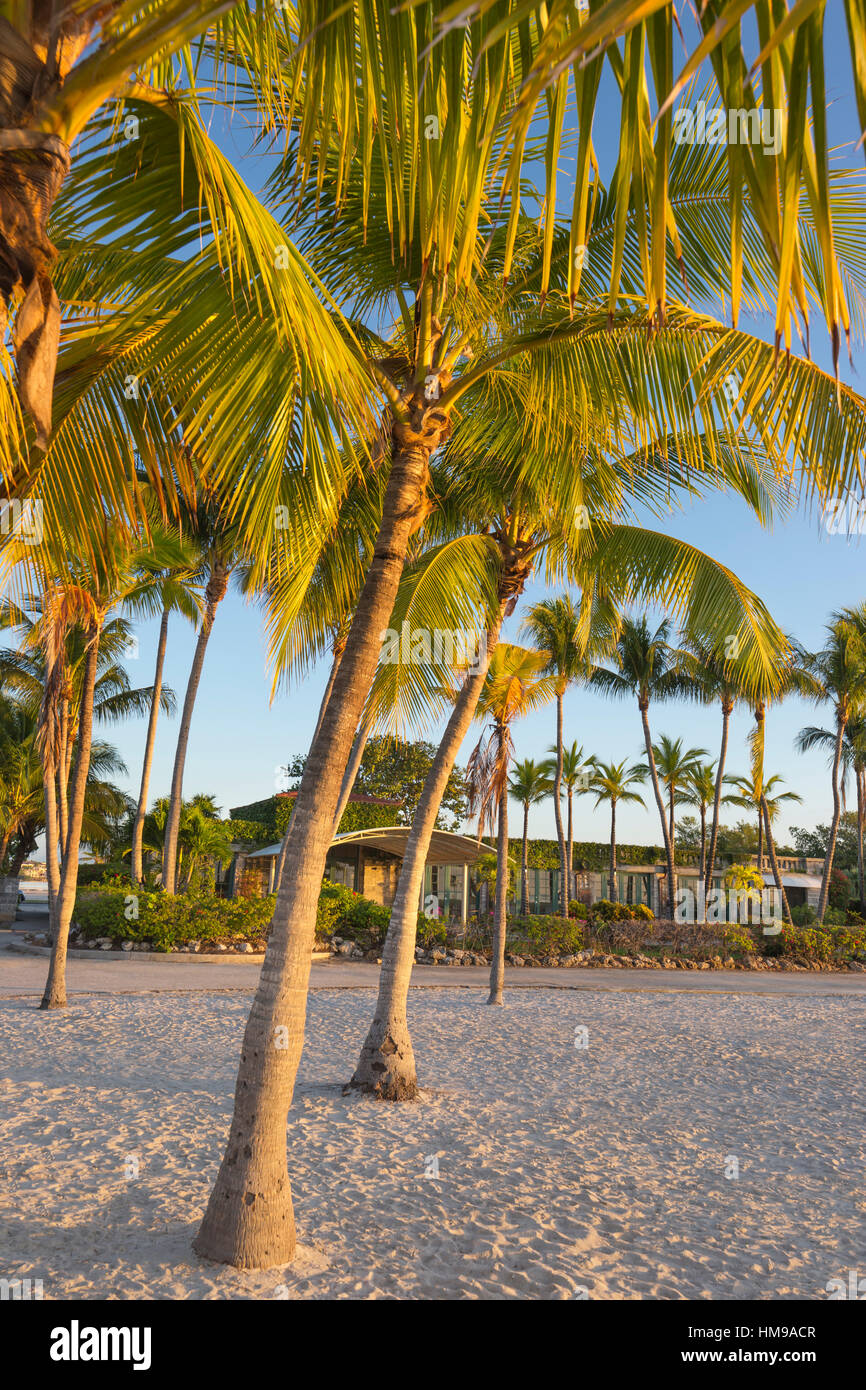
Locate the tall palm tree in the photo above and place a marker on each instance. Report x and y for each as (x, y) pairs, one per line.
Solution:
(576, 769)
(614, 782)
(529, 784)
(758, 793)
(675, 766)
(516, 683)
(699, 790)
(839, 671)
(854, 761)
(553, 625)
(439, 352)
(649, 667)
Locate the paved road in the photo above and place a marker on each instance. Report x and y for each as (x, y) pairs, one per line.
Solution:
(24, 974)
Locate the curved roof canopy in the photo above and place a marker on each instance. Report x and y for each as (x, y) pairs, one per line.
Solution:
(445, 847)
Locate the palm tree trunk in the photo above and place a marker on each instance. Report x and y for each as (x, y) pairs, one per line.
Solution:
(55, 986)
(249, 1221)
(497, 962)
(4, 845)
(774, 863)
(214, 594)
(524, 873)
(557, 809)
(834, 825)
(760, 841)
(141, 809)
(52, 866)
(703, 859)
(351, 773)
(657, 792)
(611, 882)
(63, 773)
(717, 800)
(386, 1066)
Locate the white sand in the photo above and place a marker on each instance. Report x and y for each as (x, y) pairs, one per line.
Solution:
(560, 1169)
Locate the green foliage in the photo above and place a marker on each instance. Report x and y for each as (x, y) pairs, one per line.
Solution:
(813, 843)
(249, 832)
(738, 939)
(102, 873)
(803, 915)
(272, 816)
(578, 909)
(543, 936)
(165, 921)
(642, 913)
(347, 914)
(839, 891)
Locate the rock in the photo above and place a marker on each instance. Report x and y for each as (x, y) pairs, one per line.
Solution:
(336, 940)
(245, 948)
(345, 948)
(437, 957)
(106, 946)
(516, 960)
(126, 945)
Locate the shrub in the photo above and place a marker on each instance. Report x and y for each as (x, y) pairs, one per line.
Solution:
(738, 939)
(839, 890)
(432, 931)
(544, 936)
(803, 915)
(641, 913)
(578, 909)
(164, 921)
(603, 910)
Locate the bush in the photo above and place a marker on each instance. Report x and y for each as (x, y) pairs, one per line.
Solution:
(102, 873)
(839, 890)
(738, 939)
(543, 936)
(803, 915)
(164, 921)
(578, 909)
(641, 913)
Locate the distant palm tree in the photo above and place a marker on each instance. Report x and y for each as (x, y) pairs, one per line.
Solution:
(758, 794)
(650, 668)
(514, 686)
(699, 790)
(576, 770)
(613, 782)
(529, 783)
(840, 673)
(675, 766)
(853, 760)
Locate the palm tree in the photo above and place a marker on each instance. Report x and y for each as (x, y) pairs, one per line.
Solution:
(516, 683)
(650, 668)
(614, 782)
(439, 352)
(552, 625)
(529, 783)
(576, 769)
(853, 760)
(699, 790)
(675, 766)
(758, 793)
(173, 591)
(839, 671)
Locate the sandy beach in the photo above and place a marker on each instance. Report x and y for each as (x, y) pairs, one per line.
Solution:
(563, 1172)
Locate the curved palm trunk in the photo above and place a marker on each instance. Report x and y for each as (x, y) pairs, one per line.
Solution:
(760, 840)
(141, 809)
(657, 792)
(557, 810)
(386, 1066)
(611, 882)
(834, 824)
(52, 867)
(214, 594)
(55, 986)
(351, 773)
(774, 863)
(717, 800)
(63, 773)
(524, 872)
(500, 910)
(249, 1221)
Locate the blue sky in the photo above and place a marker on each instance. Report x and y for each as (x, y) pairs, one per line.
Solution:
(238, 739)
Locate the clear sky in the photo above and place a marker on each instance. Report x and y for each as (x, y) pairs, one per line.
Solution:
(238, 740)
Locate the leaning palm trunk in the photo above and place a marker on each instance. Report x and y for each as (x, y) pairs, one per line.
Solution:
(524, 871)
(52, 868)
(55, 986)
(386, 1066)
(717, 800)
(657, 792)
(214, 594)
(500, 908)
(351, 773)
(774, 863)
(834, 825)
(249, 1221)
(557, 811)
(611, 882)
(141, 809)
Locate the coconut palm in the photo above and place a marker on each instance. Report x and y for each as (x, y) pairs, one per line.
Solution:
(675, 766)
(554, 626)
(759, 794)
(650, 668)
(576, 769)
(367, 224)
(529, 784)
(699, 790)
(613, 783)
(516, 684)
(839, 671)
(854, 761)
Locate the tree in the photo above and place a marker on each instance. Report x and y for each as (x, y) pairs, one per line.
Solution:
(839, 671)
(676, 767)
(614, 782)
(853, 760)
(759, 793)
(699, 790)
(650, 668)
(516, 683)
(576, 769)
(529, 784)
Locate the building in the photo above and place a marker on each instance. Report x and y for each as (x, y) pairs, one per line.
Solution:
(369, 862)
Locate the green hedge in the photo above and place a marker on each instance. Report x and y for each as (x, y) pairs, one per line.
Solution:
(274, 813)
